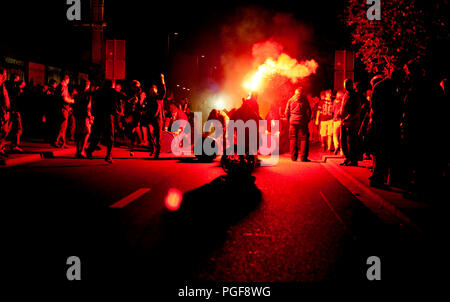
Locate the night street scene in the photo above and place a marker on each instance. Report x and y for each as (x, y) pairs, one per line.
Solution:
(225, 150)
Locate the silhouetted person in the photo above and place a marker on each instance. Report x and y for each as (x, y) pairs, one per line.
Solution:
(15, 92)
(249, 110)
(350, 116)
(83, 118)
(131, 113)
(252, 103)
(222, 117)
(156, 116)
(106, 107)
(385, 126)
(176, 114)
(426, 132)
(64, 101)
(337, 123)
(298, 113)
(325, 117)
(5, 105)
(366, 106)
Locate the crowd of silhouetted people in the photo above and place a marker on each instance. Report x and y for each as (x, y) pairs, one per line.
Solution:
(86, 114)
(399, 123)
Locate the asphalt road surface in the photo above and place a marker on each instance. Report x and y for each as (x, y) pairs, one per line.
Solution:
(292, 222)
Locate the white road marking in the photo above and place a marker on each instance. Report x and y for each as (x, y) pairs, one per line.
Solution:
(129, 198)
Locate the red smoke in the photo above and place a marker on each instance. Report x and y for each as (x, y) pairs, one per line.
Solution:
(276, 63)
(253, 35)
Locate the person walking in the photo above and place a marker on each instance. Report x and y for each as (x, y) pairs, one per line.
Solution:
(64, 101)
(83, 118)
(106, 107)
(15, 90)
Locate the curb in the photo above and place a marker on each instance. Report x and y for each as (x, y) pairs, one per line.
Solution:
(377, 204)
(29, 158)
(326, 157)
(20, 160)
(58, 153)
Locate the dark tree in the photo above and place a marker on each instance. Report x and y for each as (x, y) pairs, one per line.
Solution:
(409, 31)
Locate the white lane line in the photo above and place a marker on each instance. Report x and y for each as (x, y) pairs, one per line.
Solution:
(338, 217)
(129, 198)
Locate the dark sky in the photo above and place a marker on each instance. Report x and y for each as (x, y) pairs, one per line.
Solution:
(146, 26)
(39, 30)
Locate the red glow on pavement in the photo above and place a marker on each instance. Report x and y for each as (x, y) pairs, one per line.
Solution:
(173, 199)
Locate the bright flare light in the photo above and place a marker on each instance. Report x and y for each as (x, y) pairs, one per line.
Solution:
(219, 104)
(173, 199)
(284, 66)
(219, 101)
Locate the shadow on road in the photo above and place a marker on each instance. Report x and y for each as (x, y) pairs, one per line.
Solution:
(217, 205)
(200, 225)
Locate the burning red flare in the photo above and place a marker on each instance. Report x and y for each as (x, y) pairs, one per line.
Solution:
(283, 65)
(173, 199)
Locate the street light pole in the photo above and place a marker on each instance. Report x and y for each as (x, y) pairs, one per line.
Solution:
(168, 50)
(168, 42)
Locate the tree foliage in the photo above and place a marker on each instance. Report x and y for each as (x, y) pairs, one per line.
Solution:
(407, 32)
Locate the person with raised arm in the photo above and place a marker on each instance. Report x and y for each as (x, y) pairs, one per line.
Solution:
(156, 115)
